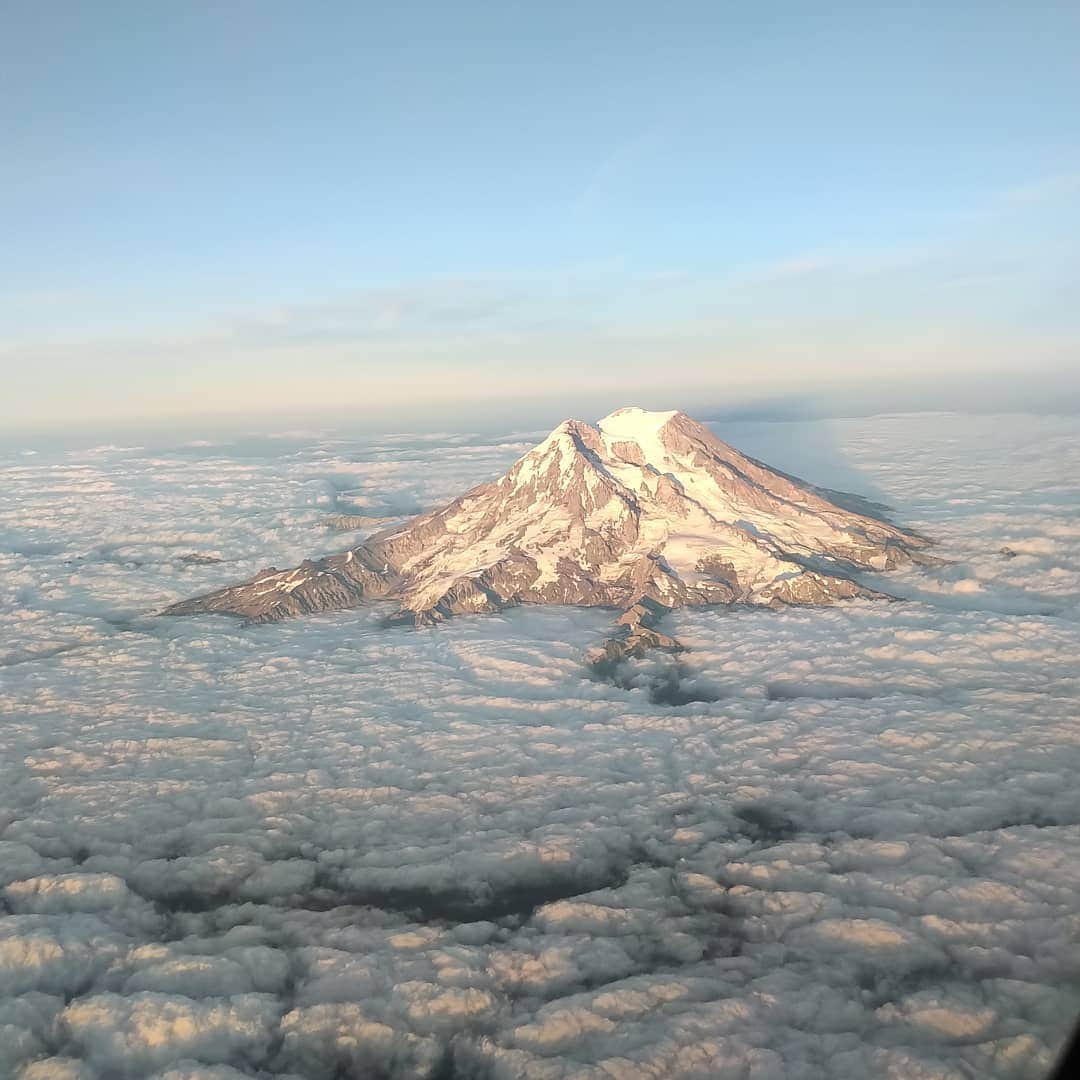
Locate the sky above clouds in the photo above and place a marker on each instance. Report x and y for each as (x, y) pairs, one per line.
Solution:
(251, 207)
(835, 842)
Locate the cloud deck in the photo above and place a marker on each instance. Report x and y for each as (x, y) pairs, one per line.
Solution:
(327, 848)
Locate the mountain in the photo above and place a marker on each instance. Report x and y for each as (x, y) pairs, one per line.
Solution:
(646, 512)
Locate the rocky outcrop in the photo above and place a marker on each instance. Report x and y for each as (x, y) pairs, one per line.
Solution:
(636, 634)
(351, 522)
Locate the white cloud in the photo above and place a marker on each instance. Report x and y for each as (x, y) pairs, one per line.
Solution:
(298, 849)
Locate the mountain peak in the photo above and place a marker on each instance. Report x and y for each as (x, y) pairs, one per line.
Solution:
(643, 513)
(631, 421)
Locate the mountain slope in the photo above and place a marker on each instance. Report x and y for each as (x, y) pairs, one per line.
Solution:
(645, 512)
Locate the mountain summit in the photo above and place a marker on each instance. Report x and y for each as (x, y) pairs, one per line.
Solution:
(645, 512)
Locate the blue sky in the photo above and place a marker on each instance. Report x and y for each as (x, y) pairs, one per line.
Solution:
(255, 207)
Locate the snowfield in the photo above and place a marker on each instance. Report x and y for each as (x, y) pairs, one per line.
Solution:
(837, 842)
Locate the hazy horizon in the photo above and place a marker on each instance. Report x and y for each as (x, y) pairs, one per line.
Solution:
(1046, 393)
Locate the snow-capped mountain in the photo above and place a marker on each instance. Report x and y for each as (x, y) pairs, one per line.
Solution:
(646, 512)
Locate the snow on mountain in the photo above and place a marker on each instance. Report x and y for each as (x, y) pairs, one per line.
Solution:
(646, 512)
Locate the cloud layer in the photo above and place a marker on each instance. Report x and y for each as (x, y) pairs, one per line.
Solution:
(830, 843)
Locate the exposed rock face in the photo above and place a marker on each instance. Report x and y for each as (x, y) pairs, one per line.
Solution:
(636, 635)
(347, 522)
(646, 512)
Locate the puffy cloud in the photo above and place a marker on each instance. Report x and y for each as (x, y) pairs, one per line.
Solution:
(27, 1026)
(130, 1035)
(837, 842)
(323, 1040)
(57, 1068)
